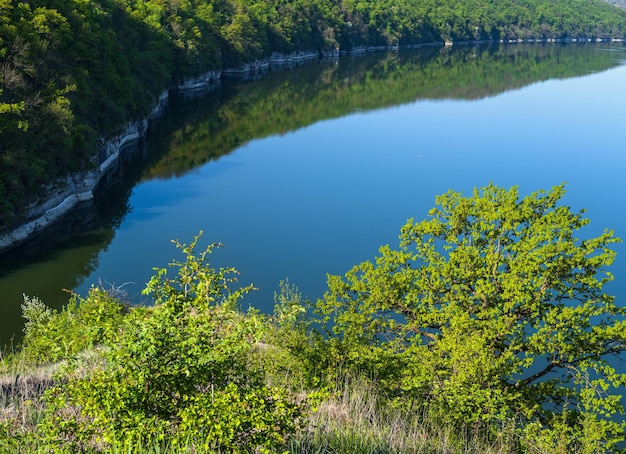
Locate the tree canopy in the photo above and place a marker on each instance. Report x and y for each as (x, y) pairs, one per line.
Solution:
(492, 309)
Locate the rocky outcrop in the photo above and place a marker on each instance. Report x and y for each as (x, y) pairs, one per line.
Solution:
(253, 67)
(276, 61)
(286, 61)
(199, 83)
(64, 195)
(109, 151)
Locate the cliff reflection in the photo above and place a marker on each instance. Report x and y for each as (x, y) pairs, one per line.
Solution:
(207, 128)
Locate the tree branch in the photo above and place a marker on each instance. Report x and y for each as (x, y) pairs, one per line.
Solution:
(538, 375)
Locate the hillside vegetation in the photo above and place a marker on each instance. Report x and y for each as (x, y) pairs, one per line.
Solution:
(74, 71)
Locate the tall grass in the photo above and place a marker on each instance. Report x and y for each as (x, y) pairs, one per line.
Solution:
(21, 406)
(357, 420)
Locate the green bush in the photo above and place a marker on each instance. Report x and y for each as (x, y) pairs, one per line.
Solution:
(184, 370)
(51, 336)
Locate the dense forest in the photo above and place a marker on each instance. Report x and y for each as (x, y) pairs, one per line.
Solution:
(75, 71)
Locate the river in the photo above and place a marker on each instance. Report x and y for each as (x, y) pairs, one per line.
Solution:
(308, 171)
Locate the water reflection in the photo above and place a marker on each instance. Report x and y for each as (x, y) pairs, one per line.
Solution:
(287, 101)
(202, 130)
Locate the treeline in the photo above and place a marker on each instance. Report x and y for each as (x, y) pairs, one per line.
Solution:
(74, 71)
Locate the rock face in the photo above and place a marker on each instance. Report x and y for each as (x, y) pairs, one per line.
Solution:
(277, 61)
(63, 195)
(199, 83)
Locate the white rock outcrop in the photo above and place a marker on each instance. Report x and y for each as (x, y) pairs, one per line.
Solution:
(64, 194)
(199, 83)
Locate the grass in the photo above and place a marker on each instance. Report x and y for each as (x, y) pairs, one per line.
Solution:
(21, 389)
(357, 421)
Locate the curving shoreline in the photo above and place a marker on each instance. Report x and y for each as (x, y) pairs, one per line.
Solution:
(65, 194)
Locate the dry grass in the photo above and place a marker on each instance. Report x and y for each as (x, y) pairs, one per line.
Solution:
(355, 421)
(21, 389)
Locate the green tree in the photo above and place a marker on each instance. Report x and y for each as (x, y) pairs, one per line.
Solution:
(491, 310)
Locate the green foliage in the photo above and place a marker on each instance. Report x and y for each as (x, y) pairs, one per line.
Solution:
(294, 353)
(51, 336)
(290, 309)
(491, 310)
(488, 330)
(185, 370)
(196, 285)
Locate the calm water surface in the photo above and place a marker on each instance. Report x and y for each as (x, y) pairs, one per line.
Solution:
(309, 171)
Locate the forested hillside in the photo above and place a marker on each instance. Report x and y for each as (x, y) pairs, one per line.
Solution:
(73, 71)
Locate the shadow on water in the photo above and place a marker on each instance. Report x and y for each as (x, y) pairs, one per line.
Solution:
(195, 131)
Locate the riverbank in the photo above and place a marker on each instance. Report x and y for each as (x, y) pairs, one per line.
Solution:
(66, 194)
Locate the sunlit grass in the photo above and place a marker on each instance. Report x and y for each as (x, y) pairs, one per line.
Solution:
(356, 420)
(21, 389)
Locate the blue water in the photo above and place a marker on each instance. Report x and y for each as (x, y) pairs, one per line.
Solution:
(323, 198)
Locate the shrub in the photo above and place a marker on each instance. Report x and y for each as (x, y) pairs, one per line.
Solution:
(51, 336)
(183, 370)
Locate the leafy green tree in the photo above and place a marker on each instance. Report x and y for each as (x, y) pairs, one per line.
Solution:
(491, 310)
